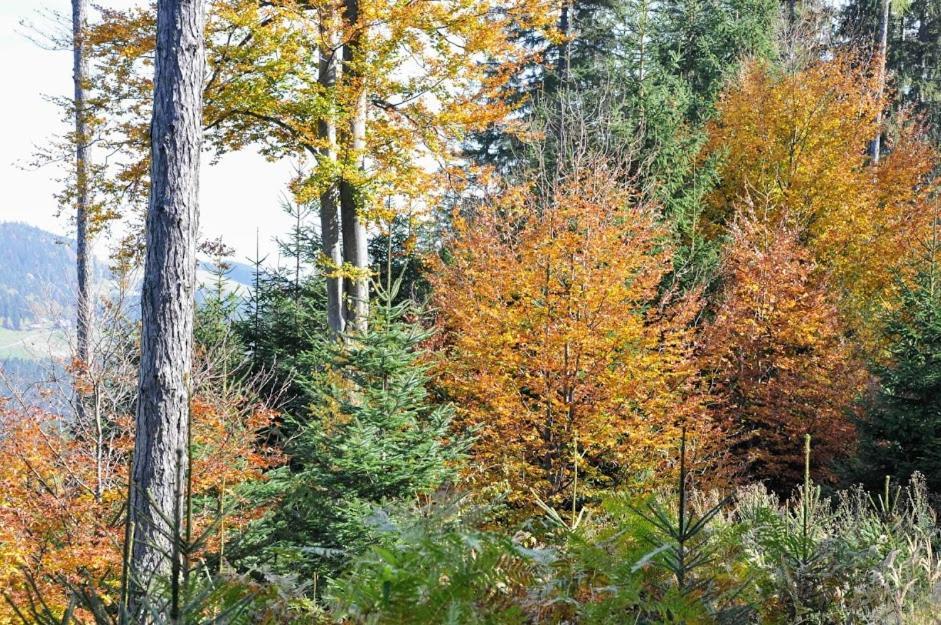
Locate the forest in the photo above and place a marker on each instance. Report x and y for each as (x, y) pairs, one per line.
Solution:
(32, 285)
(592, 312)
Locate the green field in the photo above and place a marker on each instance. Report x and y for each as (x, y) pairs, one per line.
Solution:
(32, 344)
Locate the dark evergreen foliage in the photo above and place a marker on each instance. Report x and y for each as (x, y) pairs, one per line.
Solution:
(369, 435)
(901, 433)
(399, 251)
(914, 50)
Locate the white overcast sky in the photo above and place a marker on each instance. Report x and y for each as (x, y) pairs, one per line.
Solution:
(239, 194)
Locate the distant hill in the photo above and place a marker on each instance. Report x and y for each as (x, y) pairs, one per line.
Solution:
(37, 277)
(38, 286)
(37, 306)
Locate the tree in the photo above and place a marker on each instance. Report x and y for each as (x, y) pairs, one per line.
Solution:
(777, 360)
(286, 321)
(330, 222)
(352, 217)
(83, 305)
(370, 436)
(800, 157)
(912, 51)
(900, 431)
(560, 351)
(392, 85)
(401, 249)
(287, 312)
(65, 491)
(881, 54)
(162, 437)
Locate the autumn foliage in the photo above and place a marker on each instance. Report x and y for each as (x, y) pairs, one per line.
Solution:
(62, 514)
(430, 74)
(568, 286)
(794, 144)
(56, 518)
(777, 358)
(560, 344)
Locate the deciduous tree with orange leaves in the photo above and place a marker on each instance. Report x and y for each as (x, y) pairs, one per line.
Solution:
(794, 143)
(561, 351)
(63, 526)
(777, 359)
(371, 98)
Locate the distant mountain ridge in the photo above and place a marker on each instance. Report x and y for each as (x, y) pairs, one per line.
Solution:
(37, 277)
(38, 283)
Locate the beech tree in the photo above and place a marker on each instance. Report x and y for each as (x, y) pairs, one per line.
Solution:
(161, 447)
(364, 94)
(777, 360)
(800, 157)
(559, 352)
(60, 512)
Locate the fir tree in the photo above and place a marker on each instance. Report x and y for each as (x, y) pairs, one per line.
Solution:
(370, 436)
(286, 313)
(218, 306)
(913, 55)
(399, 249)
(901, 433)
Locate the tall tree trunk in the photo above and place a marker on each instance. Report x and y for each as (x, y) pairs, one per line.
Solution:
(563, 72)
(924, 46)
(329, 199)
(162, 437)
(83, 320)
(355, 252)
(875, 146)
(564, 62)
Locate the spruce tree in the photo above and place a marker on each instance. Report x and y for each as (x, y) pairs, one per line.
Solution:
(913, 56)
(371, 436)
(901, 432)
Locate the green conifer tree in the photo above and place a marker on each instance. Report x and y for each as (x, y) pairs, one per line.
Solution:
(913, 57)
(901, 432)
(370, 436)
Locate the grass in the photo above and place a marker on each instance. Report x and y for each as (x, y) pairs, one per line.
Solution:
(32, 344)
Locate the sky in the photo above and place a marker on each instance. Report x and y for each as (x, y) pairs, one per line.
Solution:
(239, 195)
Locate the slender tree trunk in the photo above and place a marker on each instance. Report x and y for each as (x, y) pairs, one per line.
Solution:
(355, 252)
(297, 260)
(924, 45)
(563, 63)
(875, 146)
(563, 72)
(160, 451)
(329, 199)
(83, 320)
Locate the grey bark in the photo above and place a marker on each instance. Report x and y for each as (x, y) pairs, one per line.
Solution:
(83, 320)
(355, 252)
(565, 51)
(875, 146)
(162, 435)
(329, 199)
(563, 73)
